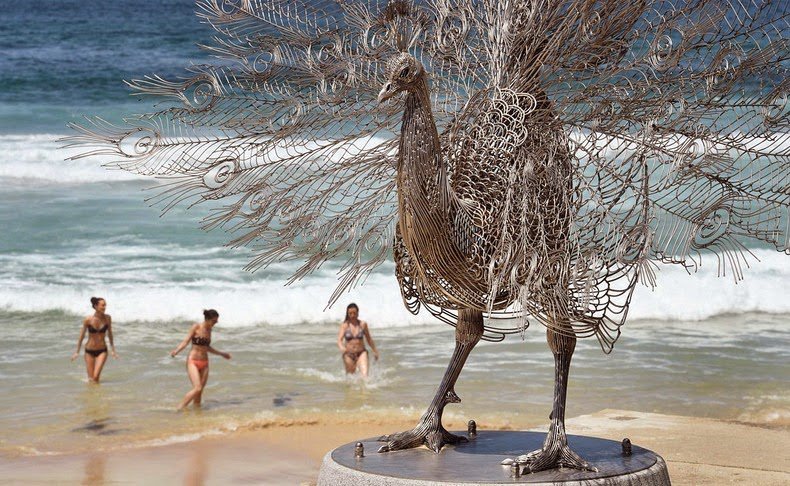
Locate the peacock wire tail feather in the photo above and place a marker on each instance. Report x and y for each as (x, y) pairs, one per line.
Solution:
(522, 161)
(578, 144)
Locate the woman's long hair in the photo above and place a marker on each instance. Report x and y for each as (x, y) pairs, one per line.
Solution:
(351, 306)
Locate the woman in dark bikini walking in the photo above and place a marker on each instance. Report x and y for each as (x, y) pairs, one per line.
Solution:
(98, 325)
(351, 341)
(197, 362)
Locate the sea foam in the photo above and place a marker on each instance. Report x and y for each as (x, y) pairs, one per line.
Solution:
(37, 157)
(40, 156)
(263, 298)
(165, 283)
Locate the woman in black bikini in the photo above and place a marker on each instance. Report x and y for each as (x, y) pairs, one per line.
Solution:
(351, 341)
(197, 362)
(98, 325)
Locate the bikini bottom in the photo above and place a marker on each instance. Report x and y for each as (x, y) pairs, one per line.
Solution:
(200, 364)
(355, 355)
(95, 352)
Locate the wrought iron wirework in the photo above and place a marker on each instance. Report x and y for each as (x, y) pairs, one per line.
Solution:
(536, 159)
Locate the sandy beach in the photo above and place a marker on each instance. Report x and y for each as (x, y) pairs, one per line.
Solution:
(698, 451)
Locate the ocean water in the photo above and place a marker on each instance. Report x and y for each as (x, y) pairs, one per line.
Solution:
(698, 345)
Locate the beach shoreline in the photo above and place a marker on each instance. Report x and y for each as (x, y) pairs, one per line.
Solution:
(698, 451)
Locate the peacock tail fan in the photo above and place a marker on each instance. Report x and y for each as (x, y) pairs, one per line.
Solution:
(664, 124)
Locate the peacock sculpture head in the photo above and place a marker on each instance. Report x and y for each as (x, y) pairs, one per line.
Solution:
(403, 73)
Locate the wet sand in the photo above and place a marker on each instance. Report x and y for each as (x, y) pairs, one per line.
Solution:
(698, 451)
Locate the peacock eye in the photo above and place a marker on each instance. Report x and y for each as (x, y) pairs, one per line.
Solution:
(404, 72)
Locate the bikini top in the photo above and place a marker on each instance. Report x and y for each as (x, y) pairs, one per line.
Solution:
(201, 341)
(93, 330)
(348, 335)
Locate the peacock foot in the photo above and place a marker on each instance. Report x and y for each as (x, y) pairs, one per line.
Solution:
(556, 455)
(433, 437)
(428, 432)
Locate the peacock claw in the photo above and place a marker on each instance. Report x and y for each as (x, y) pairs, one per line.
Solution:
(451, 397)
(434, 438)
(557, 455)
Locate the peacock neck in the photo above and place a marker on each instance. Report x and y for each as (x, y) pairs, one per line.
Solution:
(422, 176)
(431, 223)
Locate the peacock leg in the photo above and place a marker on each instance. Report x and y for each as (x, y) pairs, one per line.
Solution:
(429, 430)
(555, 451)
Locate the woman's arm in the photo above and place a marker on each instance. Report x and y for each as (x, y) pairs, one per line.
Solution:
(340, 337)
(370, 341)
(79, 342)
(220, 353)
(184, 343)
(109, 335)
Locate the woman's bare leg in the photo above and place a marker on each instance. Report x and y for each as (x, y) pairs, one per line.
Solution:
(90, 362)
(197, 387)
(362, 364)
(197, 399)
(98, 366)
(350, 364)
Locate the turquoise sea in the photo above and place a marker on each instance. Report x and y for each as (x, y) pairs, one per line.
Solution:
(698, 345)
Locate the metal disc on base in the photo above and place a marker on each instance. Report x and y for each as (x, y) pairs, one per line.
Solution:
(479, 462)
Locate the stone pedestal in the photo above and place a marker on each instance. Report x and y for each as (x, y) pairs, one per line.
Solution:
(478, 462)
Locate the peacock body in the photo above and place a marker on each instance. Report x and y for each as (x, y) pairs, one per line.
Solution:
(522, 161)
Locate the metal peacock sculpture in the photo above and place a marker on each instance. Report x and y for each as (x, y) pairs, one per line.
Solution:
(523, 161)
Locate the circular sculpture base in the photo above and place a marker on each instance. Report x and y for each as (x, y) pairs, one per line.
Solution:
(479, 462)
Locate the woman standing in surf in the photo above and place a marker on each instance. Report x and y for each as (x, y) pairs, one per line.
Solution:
(97, 326)
(197, 362)
(351, 341)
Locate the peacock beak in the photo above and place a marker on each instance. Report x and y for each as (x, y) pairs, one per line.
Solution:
(387, 92)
